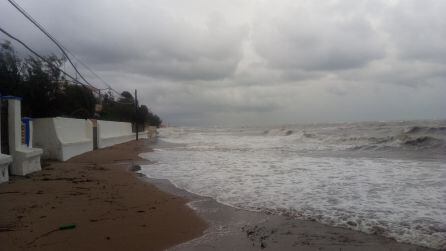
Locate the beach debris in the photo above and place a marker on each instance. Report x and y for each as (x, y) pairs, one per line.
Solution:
(73, 180)
(9, 192)
(69, 226)
(62, 227)
(258, 234)
(135, 168)
(6, 228)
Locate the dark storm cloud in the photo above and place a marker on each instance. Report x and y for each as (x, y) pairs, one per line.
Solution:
(172, 48)
(147, 41)
(233, 61)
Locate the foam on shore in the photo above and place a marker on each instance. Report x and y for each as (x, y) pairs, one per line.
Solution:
(398, 198)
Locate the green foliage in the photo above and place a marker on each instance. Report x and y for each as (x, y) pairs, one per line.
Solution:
(146, 116)
(46, 92)
(124, 110)
(77, 101)
(9, 70)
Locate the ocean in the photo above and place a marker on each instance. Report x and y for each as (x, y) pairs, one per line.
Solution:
(385, 178)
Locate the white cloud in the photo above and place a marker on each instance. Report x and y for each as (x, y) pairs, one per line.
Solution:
(313, 37)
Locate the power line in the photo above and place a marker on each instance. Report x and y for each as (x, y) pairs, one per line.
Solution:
(45, 60)
(51, 64)
(89, 69)
(21, 10)
(64, 51)
(40, 57)
(73, 79)
(94, 73)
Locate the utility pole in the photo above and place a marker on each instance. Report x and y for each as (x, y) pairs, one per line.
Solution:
(136, 113)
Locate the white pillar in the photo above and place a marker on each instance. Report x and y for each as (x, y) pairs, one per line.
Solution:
(26, 159)
(31, 133)
(14, 124)
(5, 160)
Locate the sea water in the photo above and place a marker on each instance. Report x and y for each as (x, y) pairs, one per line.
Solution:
(385, 178)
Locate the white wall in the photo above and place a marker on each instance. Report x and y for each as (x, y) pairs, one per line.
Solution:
(112, 133)
(45, 137)
(73, 130)
(63, 138)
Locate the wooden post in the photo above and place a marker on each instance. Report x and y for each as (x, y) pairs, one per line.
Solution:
(136, 113)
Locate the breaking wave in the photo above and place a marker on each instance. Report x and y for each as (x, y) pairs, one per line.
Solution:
(312, 172)
(426, 130)
(414, 143)
(424, 141)
(278, 132)
(411, 138)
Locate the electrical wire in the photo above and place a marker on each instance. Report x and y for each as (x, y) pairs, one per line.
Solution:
(32, 20)
(64, 50)
(109, 87)
(73, 79)
(41, 57)
(45, 60)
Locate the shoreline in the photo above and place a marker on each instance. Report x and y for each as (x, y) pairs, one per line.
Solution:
(99, 196)
(232, 228)
(113, 206)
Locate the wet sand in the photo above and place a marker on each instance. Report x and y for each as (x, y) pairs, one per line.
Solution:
(111, 208)
(237, 229)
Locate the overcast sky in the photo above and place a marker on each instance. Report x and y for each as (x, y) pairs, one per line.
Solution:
(246, 62)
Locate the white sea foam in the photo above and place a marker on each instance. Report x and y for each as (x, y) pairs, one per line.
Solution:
(400, 198)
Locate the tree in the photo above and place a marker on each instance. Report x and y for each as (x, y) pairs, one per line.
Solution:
(126, 97)
(41, 87)
(46, 92)
(146, 116)
(10, 66)
(77, 101)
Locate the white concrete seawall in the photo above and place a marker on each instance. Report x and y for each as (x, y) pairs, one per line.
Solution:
(112, 133)
(63, 138)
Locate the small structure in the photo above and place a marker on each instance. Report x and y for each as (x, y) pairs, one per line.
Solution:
(5, 160)
(151, 133)
(25, 158)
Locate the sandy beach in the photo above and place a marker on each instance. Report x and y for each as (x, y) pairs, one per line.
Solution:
(113, 208)
(110, 208)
